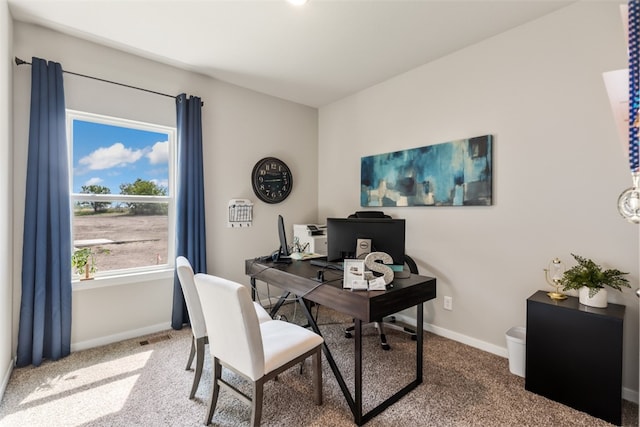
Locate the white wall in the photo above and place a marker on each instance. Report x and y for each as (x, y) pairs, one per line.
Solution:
(558, 169)
(239, 127)
(6, 196)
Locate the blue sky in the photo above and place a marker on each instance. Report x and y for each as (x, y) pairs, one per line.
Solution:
(112, 155)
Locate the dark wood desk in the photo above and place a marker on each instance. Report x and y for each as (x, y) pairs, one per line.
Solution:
(298, 278)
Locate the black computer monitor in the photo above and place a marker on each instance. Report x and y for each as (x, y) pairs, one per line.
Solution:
(283, 251)
(386, 234)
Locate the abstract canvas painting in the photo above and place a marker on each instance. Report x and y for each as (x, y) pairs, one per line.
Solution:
(456, 173)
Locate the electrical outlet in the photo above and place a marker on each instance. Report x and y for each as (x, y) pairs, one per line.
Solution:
(448, 303)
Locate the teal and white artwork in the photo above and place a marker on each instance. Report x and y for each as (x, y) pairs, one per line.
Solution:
(456, 173)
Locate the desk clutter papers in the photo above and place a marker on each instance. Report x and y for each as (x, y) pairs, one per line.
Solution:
(377, 284)
(366, 285)
(299, 256)
(353, 277)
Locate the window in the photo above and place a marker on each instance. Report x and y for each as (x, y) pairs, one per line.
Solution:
(122, 192)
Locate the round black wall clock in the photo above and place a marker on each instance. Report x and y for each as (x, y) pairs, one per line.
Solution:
(271, 180)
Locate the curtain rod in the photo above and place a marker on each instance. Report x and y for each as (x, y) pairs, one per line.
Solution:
(23, 62)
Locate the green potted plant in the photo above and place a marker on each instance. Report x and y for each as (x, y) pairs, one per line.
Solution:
(84, 262)
(590, 279)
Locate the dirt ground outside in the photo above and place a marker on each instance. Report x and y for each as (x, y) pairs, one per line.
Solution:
(135, 240)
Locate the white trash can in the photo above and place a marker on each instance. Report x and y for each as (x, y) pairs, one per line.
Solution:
(516, 339)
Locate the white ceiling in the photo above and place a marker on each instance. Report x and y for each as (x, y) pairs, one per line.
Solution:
(313, 55)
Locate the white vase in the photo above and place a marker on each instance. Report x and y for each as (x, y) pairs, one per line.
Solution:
(599, 300)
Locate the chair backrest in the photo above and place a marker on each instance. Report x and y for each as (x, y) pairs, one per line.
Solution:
(369, 214)
(413, 267)
(232, 322)
(185, 275)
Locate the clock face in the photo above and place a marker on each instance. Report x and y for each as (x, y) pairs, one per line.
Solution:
(271, 180)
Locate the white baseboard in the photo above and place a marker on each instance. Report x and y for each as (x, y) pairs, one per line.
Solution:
(627, 393)
(97, 342)
(630, 395)
(455, 336)
(5, 378)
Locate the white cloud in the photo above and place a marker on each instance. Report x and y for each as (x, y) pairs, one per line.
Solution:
(159, 153)
(109, 157)
(94, 181)
(161, 182)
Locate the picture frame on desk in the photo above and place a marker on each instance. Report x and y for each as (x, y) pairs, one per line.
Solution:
(354, 275)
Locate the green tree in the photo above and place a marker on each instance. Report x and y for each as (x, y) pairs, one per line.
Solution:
(96, 189)
(143, 187)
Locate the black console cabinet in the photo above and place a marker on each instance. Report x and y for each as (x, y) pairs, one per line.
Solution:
(574, 354)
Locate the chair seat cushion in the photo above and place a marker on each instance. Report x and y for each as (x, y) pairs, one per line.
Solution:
(283, 341)
(263, 316)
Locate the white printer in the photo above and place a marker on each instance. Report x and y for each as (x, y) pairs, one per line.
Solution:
(311, 238)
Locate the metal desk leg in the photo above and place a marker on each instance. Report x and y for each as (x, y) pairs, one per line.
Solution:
(419, 341)
(252, 280)
(357, 413)
(330, 359)
(276, 307)
(355, 402)
(406, 389)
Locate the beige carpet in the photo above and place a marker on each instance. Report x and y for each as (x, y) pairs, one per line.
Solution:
(134, 384)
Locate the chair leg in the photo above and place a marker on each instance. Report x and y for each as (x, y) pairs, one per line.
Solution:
(316, 361)
(215, 390)
(200, 344)
(348, 330)
(191, 353)
(256, 409)
(383, 337)
(391, 323)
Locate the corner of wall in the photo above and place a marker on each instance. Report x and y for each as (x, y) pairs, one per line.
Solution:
(6, 376)
(6, 181)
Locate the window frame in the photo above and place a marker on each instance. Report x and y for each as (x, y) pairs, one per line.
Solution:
(144, 273)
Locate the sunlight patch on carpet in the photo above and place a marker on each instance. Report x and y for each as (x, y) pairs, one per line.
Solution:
(71, 383)
(79, 408)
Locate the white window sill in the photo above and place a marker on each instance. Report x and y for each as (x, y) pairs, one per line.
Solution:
(122, 279)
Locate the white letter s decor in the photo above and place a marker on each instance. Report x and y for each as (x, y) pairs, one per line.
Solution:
(371, 264)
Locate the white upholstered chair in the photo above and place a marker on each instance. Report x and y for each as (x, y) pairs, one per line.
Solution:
(256, 351)
(196, 318)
